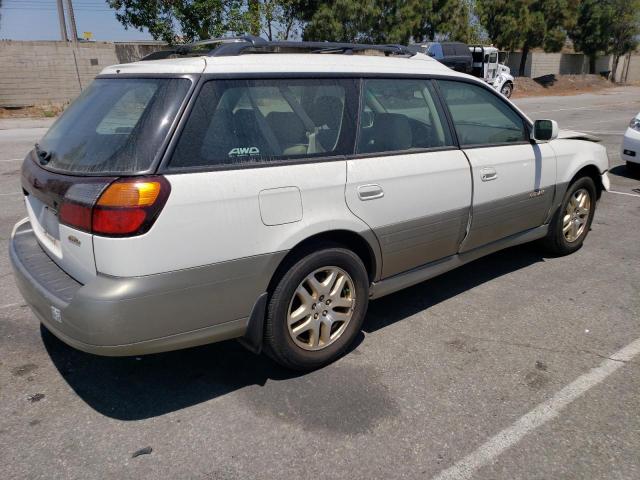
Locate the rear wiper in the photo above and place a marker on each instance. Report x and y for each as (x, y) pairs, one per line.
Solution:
(43, 155)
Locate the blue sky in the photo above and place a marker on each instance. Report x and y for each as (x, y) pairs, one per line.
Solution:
(38, 20)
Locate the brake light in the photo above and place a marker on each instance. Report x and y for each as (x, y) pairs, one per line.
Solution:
(126, 207)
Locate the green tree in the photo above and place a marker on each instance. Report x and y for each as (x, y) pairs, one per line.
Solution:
(527, 24)
(624, 29)
(281, 18)
(386, 21)
(188, 19)
(590, 34)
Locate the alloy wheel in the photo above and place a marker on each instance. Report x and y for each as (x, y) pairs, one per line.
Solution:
(321, 308)
(576, 215)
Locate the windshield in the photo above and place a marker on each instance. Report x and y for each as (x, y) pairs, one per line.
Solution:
(115, 126)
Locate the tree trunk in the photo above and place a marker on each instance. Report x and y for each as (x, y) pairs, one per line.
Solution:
(614, 67)
(523, 59)
(592, 64)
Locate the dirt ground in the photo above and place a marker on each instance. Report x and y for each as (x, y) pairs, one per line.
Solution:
(561, 85)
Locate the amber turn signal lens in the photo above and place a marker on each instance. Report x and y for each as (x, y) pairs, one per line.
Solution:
(130, 194)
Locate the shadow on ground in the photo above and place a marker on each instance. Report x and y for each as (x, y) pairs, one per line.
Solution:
(625, 171)
(134, 388)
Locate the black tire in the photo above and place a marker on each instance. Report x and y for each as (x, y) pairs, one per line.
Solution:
(507, 89)
(633, 168)
(555, 242)
(278, 342)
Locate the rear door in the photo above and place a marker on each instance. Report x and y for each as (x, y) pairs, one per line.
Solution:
(513, 178)
(408, 182)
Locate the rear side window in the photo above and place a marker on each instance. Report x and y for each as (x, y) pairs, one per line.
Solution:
(244, 122)
(116, 126)
(448, 49)
(462, 50)
(401, 114)
(481, 117)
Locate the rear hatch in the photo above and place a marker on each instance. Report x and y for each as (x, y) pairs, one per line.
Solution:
(116, 128)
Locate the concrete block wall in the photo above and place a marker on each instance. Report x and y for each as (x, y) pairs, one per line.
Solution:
(540, 63)
(40, 73)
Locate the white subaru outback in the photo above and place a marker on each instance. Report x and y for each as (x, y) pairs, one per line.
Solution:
(268, 190)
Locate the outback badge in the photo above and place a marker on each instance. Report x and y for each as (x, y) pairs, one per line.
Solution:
(73, 239)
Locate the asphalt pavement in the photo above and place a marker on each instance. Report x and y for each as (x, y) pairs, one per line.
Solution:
(514, 366)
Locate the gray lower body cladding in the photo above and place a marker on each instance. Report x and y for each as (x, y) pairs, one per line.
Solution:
(501, 218)
(407, 245)
(138, 315)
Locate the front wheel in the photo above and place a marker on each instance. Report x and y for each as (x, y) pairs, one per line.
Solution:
(317, 309)
(507, 89)
(571, 223)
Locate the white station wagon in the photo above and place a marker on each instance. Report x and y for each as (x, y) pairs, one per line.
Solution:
(267, 191)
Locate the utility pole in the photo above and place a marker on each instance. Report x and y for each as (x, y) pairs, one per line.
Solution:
(72, 21)
(63, 24)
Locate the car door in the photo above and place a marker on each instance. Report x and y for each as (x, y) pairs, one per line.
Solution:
(513, 178)
(408, 181)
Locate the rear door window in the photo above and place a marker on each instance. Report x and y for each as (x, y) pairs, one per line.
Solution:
(462, 50)
(448, 50)
(250, 122)
(116, 126)
(401, 114)
(481, 117)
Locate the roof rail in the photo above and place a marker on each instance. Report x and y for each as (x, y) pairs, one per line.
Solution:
(188, 48)
(233, 46)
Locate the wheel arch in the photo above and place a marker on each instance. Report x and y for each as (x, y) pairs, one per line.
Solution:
(591, 171)
(363, 244)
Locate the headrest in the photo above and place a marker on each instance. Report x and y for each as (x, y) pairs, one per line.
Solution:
(327, 111)
(391, 131)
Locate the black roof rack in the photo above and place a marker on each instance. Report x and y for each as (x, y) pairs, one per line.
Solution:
(232, 46)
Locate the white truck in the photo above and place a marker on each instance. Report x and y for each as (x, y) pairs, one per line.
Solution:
(486, 65)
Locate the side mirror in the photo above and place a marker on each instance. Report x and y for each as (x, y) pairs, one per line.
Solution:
(544, 130)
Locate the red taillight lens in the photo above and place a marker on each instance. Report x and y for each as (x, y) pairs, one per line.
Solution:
(126, 207)
(76, 215)
(119, 221)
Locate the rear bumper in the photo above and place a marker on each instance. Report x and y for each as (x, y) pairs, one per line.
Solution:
(139, 315)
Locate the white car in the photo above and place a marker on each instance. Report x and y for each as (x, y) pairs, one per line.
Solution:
(630, 151)
(248, 191)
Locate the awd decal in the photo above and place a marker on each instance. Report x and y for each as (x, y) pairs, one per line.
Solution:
(244, 151)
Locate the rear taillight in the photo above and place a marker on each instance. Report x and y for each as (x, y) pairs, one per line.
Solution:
(126, 207)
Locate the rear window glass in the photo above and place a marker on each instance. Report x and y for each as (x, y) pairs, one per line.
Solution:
(244, 122)
(115, 126)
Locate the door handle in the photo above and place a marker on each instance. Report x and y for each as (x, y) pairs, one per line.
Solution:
(370, 192)
(488, 174)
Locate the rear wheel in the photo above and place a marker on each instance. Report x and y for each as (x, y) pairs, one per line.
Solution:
(317, 309)
(571, 223)
(634, 168)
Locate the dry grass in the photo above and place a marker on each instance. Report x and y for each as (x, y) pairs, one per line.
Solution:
(40, 111)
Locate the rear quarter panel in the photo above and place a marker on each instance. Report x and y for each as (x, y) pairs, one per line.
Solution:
(214, 217)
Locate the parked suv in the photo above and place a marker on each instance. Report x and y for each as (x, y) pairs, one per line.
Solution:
(233, 193)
